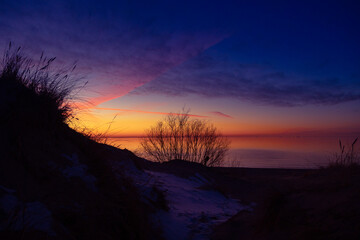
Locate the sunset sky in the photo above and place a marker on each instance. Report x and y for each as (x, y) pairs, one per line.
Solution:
(250, 67)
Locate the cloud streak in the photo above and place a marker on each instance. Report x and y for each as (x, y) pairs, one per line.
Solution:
(214, 78)
(117, 51)
(148, 112)
(158, 48)
(221, 114)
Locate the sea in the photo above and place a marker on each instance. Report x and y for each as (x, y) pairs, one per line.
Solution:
(297, 152)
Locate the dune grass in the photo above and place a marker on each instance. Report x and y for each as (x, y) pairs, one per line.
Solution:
(348, 156)
(50, 91)
(37, 104)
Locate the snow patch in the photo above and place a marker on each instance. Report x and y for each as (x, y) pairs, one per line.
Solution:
(192, 210)
(25, 216)
(142, 180)
(78, 170)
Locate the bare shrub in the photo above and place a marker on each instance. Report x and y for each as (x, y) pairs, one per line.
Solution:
(179, 137)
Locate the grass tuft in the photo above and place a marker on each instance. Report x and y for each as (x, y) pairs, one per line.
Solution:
(348, 156)
(47, 91)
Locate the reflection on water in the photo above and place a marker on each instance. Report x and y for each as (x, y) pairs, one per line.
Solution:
(269, 152)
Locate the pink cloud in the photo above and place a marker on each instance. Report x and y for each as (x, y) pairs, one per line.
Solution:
(123, 77)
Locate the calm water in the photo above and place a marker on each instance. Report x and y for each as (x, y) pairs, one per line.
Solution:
(269, 152)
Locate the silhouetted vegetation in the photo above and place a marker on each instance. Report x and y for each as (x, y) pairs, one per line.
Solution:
(181, 138)
(49, 91)
(96, 135)
(348, 156)
(44, 161)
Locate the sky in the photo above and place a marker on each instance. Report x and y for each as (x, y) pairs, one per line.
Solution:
(249, 67)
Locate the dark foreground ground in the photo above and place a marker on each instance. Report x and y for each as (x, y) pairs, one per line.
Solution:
(287, 204)
(293, 204)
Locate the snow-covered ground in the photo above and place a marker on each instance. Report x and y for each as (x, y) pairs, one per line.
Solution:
(193, 209)
(76, 169)
(24, 216)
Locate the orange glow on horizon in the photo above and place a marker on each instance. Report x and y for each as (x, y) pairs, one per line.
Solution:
(116, 122)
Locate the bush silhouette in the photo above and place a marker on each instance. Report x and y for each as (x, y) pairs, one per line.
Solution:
(181, 138)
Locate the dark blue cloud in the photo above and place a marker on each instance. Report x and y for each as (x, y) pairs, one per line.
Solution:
(211, 78)
(287, 54)
(278, 52)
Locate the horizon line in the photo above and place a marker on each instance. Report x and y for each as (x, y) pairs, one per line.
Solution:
(333, 134)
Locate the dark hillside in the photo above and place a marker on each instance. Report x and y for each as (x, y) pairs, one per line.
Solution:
(56, 183)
